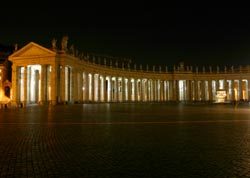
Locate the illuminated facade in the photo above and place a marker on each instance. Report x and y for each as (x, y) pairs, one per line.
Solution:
(5, 73)
(61, 75)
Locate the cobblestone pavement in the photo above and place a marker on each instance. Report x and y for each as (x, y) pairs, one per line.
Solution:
(108, 141)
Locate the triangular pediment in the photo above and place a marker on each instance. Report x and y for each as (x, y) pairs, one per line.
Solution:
(31, 50)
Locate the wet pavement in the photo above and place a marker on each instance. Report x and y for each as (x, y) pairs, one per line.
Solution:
(125, 141)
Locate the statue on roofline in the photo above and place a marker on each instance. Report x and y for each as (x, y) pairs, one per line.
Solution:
(64, 43)
(53, 43)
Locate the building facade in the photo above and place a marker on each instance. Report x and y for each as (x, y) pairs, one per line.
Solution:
(62, 75)
(5, 73)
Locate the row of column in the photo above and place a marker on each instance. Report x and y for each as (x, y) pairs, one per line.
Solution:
(54, 84)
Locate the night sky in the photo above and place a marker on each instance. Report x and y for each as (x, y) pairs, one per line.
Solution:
(147, 35)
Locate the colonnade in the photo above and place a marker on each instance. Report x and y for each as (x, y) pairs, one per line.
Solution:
(62, 78)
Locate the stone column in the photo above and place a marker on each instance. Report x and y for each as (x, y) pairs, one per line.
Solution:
(136, 89)
(123, 89)
(226, 89)
(111, 89)
(43, 84)
(116, 89)
(148, 90)
(139, 90)
(104, 88)
(99, 88)
(248, 89)
(53, 84)
(145, 93)
(80, 87)
(194, 90)
(87, 85)
(240, 89)
(25, 81)
(174, 90)
(161, 91)
(129, 89)
(177, 91)
(170, 92)
(187, 98)
(14, 88)
(210, 93)
(73, 94)
(155, 90)
(92, 88)
(233, 92)
(202, 87)
(62, 87)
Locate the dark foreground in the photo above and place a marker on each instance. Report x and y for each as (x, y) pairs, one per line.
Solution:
(125, 140)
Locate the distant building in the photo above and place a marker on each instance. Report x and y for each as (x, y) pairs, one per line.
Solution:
(60, 75)
(5, 70)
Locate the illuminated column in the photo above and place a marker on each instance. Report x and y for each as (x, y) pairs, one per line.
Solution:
(62, 91)
(14, 88)
(210, 93)
(170, 90)
(187, 90)
(129, 89)
(158, 90)
(145, 93)
(217, 85)
(99, 88)
(240, 89)
(248, 89)
(161, 90)
(76, 85)
(155, 90)
(86, 87)
(166, 89)
(226, 88)
(202, 87)
(80, 86)
(25, 86)
(136, 89)
(230, 90)
(195, 88)
(139, 90)
(123, 89)
(110, 92)
(95, 84)
(153, 95)
(105, 88)
(152, 90)
(53, 84)
(92, 87)
(148, 89)
(233, 90)
(116, 89)
(43, 71)
(199, 90)
(73, 84)
(177, 90)
(174, 90)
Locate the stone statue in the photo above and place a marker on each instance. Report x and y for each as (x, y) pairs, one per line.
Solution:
(53, 43)
(16, 47)
(64, 43)
(72, 50)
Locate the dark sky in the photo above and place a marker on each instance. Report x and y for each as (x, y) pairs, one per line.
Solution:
(148, 35)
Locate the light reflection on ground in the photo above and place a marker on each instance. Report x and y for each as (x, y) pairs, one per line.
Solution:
(125, 140)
